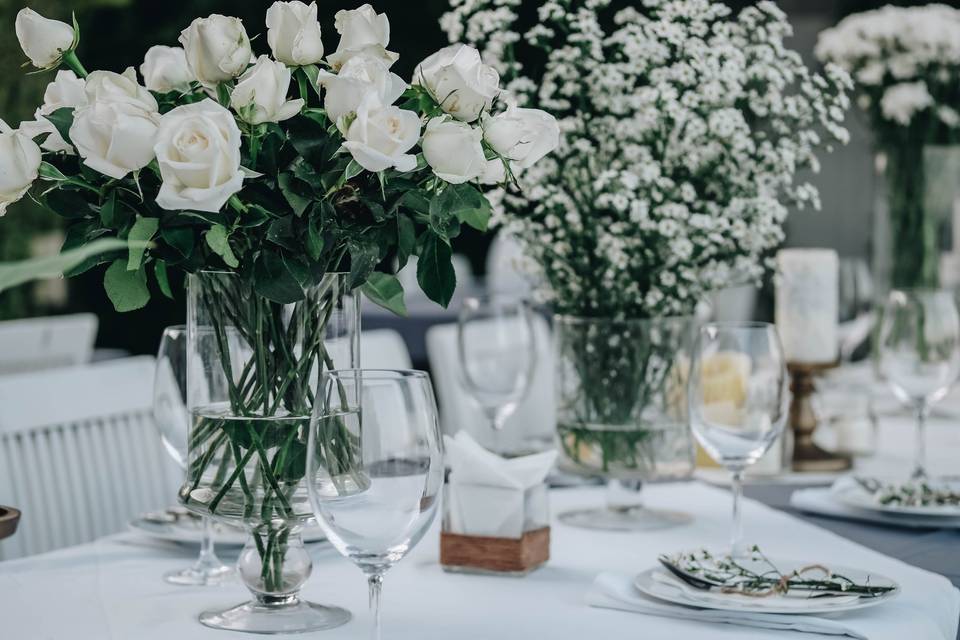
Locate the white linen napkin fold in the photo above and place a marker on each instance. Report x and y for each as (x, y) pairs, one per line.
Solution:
(492, 496)
(616, 591)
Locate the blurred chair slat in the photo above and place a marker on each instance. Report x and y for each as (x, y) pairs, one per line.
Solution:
(383, 349)
(534, 419)
(37, 344)
(81, 454)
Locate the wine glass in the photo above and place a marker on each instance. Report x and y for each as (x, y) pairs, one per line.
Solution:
(738, 400)
(919, 353)
(497, 350)
(173, 422)
(376, 492)
(856, 298)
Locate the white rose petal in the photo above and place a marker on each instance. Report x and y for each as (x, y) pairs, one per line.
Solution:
(165, 69)
(521, 135)
(261, 93)
(66, 90)
(362, 30)
(454, 150)
(380, 136)
(360, 76)
(457, 79)
(43, 40)
(53, 142)
(494, 172)
(217, 48)
(107, 86)
(293, 33)
(198, 150)
(20, 159)
(114, 138)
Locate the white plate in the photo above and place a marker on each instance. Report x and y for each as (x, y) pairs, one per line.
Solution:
(853, 495)
(658, 583)
(188, 531)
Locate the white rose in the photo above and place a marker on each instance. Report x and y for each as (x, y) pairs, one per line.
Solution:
(454, 150)
(494, 172)
(217, 48)
(114, 138)
(43, 40)
(261, 93)
(165, 69)
(66, 90)
(380, 136)
(521, 135)
(360, 76)
(19, 164)
(457, 79)
(362, 30)
(107, 86)
(198, 150)
(293, 33)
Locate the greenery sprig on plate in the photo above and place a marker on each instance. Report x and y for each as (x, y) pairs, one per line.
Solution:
(913, 493)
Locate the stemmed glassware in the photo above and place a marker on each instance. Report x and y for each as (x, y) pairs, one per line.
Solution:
(376, 502)
(497, 351)
(172, 419)
(738, 399)
(919, 353)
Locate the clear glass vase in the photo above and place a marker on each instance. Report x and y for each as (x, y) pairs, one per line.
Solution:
(622, 412)
(253, 370)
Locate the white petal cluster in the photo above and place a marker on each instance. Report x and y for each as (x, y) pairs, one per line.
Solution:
(682, 128)
(66, 90)
(905, 61)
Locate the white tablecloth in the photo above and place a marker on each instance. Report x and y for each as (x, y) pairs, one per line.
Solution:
(112, 589)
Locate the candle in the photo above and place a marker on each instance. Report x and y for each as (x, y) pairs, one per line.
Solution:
(806, 304)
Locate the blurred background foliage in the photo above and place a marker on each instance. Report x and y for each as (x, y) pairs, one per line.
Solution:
(116, 34)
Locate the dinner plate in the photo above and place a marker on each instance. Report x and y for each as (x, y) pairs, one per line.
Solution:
(852, 494)
(659, 584)
(189, 531)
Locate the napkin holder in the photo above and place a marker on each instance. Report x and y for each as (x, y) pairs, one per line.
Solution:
(467, 547)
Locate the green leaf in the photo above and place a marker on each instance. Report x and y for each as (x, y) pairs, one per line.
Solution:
(406, 239)
(141, 232)
(386, 291)
(295, 192)
(312, 72)
(16, 273)
(464, 202)
(67, 203)
(62, 120)
(352, 171)
(281, 233)
(163, 281)
(254, 217)
(272, 279)
(108, 212)
(364, 256)
(127, 290)
(180, 238)
(311, 140)
(416, 201)
(223, 95)
(49, 172)
(434, 268)
(219, 242)
(315, 237)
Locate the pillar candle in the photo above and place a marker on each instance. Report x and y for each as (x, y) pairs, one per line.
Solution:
(806, 304)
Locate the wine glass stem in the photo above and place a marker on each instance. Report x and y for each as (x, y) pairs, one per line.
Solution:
(376, 585)
(207, 553)
(736, 537)
(920, 453)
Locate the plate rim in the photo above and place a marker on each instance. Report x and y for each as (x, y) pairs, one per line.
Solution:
(843, 494)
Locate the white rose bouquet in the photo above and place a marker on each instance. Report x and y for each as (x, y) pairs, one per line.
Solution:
(905, 62)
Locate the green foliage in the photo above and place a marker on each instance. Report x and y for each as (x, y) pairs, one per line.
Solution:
(385, 290)
(126, 289)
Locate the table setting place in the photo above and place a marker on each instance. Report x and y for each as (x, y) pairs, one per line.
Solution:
(573, 461)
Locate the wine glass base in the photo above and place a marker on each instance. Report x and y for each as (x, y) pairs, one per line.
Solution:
(630, 519)
(298, 616)
(201, 577)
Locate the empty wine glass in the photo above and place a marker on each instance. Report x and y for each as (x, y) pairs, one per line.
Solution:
(497, 350)
(919, 353)
(855, 308)
(173, 422)
(738, 399)
(374, 467)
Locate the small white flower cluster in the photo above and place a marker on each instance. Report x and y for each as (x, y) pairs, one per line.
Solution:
(906, 63)
(683, 130)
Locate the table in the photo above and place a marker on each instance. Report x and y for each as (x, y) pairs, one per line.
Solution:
(112, 590)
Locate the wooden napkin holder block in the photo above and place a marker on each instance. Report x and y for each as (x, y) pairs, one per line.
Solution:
(479, 554)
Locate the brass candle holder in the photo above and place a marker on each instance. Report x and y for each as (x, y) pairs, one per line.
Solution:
(807, 456)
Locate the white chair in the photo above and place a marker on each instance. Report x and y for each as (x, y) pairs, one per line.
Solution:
(504, 272)
(534, 420)
(36, 344)
(736, 303)
(79, 454)
(383, 349)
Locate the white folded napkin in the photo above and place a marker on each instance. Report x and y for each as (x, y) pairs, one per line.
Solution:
(616, 591)
(492, 496)
(824, 501)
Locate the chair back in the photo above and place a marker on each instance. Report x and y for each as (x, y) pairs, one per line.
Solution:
(504, 272)
(36, 344)
(79, 454)
(383, 349)
(534, 421)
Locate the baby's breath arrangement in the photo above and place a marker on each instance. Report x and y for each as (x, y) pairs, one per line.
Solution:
(683, 126)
